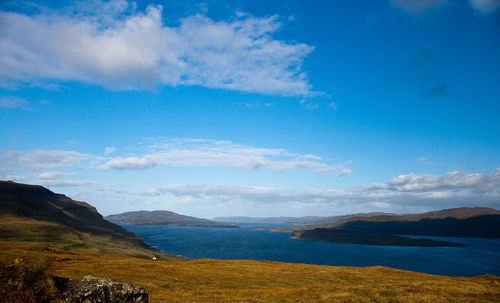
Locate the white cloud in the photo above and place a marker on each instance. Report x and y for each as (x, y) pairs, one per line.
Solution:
(406, 191)
(53, 175)
(418, 6)
(345, 171)
(451, 181)
(13, 102)
(66, 183)
(485, 6)
(39, 159)
(109, 150)
(199, 152)
(168, 152)
(309, 105)
(425, 160)
(333, 105)
(111, 44)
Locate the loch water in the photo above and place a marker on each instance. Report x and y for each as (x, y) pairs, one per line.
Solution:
(482, 256)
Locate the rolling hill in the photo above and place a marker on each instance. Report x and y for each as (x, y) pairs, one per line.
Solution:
(163, 217)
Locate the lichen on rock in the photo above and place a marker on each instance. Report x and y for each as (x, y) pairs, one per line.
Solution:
(100, 290)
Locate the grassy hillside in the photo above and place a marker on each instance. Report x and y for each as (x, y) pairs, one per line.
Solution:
(34, 214)
(208, 280)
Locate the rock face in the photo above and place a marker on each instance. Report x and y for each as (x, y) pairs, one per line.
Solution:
(100, 290)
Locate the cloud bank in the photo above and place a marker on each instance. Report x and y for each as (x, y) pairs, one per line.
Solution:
(201, 152)
(39, 159)
(403, 192)
(113, 45)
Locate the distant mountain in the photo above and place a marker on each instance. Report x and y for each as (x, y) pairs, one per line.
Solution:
(457, 222)
(163, 217)
(34, 214)
(274, 220)
(307, 220)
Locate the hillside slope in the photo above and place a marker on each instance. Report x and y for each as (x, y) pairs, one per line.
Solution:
(162, 217)
(34, 214)
(207, 280)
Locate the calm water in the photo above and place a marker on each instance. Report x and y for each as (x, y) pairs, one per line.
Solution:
(481, 257)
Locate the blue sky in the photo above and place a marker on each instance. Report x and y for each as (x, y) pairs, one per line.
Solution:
(258, 108)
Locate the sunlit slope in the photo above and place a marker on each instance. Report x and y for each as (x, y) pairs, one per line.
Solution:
(34, 214)
(207, 280)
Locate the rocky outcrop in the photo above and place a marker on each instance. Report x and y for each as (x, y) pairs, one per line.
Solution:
(99, 290)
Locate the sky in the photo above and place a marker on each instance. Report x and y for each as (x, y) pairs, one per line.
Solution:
(253, 108)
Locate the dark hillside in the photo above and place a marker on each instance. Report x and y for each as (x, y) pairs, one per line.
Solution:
(34, 214)
(484, 226)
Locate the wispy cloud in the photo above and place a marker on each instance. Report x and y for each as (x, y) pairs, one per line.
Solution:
(425, 160)
(485, 6)
(53, 175)
(427, 191)
(39, 159)
(109, 150)
(440, 89)
(309, 105)
(200, 152)
(169, 152)
(425, 66)
(112, 44)
(13, 102)
(417, 6)
(67, 183)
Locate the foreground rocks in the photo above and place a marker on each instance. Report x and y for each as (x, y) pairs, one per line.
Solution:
(99, 290)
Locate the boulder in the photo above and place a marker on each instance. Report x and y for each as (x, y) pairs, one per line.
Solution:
(99, 290)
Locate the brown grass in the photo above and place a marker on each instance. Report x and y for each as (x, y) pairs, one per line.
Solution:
(32, 231)
(24, 280)
(206, 280)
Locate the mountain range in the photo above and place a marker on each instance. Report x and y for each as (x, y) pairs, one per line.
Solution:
(456, 222)
(306, 220)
